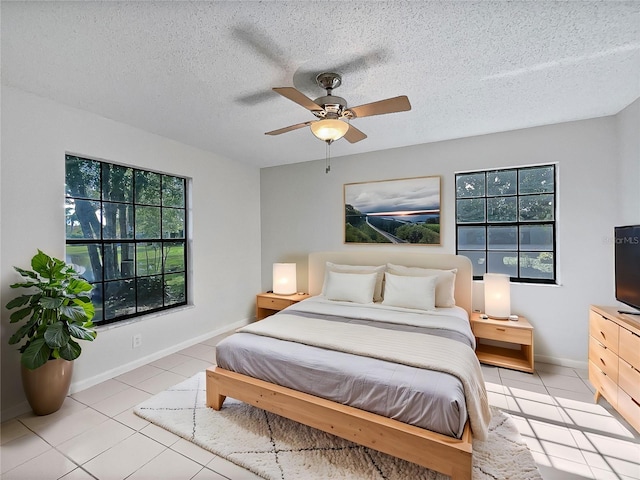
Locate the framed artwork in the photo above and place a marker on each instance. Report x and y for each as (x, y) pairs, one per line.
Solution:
(393, 211)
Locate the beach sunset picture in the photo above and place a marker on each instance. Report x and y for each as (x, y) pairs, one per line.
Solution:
(393, 211)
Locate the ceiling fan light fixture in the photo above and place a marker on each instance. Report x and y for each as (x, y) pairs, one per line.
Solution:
(329, 129)
(333, 113)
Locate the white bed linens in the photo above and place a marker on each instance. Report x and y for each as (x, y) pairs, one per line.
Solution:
(409, 348)
(452, 319)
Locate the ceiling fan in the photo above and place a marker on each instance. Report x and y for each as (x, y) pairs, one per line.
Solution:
(332, 112)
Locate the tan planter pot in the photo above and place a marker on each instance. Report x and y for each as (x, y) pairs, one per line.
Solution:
(46, 387)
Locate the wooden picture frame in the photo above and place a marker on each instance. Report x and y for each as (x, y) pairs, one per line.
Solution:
(402, 211)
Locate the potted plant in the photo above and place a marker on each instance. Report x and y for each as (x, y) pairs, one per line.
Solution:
(55, 311)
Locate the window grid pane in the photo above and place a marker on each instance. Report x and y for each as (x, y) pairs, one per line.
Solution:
(117, 183)
(507, 224)
(502, 209)
(502, 182)
(502, 238)
(83, 178)
(503, 262)
(471, 210)
(472, 238)
(82, 218)
(117, 220)
(470, 185)
(125, 232)
(147, 188)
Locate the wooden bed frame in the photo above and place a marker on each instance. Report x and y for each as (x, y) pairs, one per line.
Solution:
(438, 452)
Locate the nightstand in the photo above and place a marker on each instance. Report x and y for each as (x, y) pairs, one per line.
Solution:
(518, 334)
(270, 303)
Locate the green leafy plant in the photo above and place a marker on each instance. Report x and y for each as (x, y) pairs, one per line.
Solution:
(57, 309)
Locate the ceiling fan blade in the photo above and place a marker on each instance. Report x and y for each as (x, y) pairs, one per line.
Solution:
(354, 135)
(390, 105)
(298, 97)
(255, 98)
(261, 43)
(289, 128)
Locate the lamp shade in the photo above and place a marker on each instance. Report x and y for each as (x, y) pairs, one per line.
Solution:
(497, 295)
(329, 129)
(284, 279)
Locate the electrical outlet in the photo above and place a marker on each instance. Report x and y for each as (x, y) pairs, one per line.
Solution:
(136, 340)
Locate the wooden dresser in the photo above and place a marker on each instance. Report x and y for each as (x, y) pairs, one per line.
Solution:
(614, 360)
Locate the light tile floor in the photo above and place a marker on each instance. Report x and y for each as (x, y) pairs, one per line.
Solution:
(96, 435)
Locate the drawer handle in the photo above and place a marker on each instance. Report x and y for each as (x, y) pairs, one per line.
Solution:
(602, 361)
(501, 329)
(635, 401)
(603, 335)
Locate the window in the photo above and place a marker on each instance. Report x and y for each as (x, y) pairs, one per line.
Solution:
(506, 222)
(125, 231)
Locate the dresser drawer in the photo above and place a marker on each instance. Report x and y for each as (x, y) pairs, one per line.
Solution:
(503, 334)
(603, 384)
(629, 349)
(629, 379)
(629, 408)
(603, 358)
(603, 330)
(273, 303)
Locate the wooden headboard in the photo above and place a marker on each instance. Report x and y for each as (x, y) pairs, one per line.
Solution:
(464, 277)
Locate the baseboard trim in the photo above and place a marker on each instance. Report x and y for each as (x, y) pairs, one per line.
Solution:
(90, 382)
(15, 411)
(562, 362)
(78, 386)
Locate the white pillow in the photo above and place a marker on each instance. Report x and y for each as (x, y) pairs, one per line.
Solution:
(410, 291)
(378, 270)
(445, 287)
(350, 287)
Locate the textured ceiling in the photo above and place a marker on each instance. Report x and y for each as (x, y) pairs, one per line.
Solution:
(201, 72)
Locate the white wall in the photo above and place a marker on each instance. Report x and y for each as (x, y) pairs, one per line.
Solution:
(225, 220)
(586, 154)
(628, 122)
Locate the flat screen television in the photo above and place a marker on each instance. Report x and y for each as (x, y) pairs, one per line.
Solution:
(627, 266)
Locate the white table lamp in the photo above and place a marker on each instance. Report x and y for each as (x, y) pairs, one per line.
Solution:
(497, 295)
(284, 279)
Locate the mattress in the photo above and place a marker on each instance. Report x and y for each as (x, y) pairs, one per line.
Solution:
(428, 399)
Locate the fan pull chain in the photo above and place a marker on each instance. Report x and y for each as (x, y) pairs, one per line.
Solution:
(327, 157)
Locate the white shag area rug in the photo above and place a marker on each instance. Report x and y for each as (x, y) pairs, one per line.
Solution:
(277, 448)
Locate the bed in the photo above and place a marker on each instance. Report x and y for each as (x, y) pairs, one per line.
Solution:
(349, 368)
